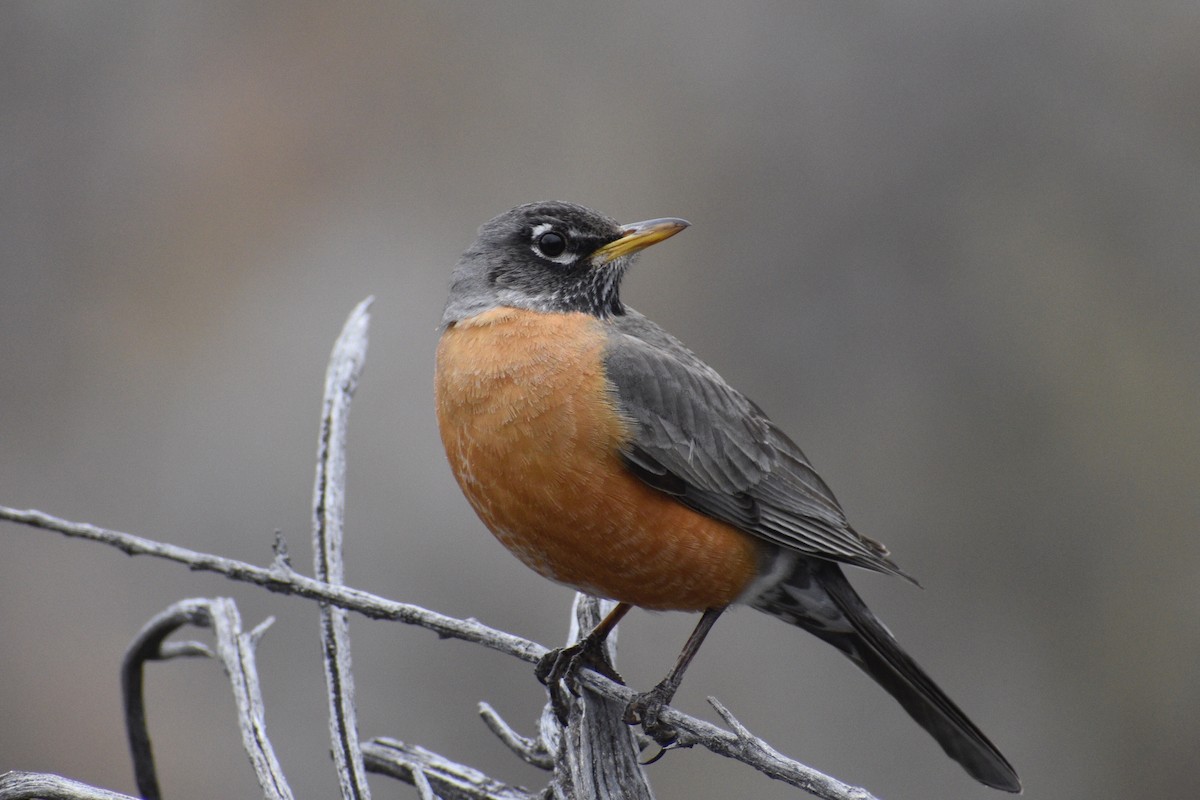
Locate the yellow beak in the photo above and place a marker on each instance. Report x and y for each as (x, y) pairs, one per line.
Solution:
(637, 237)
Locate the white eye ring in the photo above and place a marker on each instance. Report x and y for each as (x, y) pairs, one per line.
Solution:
(540, 230)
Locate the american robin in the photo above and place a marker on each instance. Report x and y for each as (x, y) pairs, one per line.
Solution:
(608, 457)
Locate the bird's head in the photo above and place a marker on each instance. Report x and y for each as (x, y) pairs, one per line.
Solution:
(550, 257)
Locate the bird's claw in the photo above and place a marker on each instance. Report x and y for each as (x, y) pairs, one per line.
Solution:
(645, 710)
(559, 668)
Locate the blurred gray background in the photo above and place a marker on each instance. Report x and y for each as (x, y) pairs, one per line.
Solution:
(952, 248)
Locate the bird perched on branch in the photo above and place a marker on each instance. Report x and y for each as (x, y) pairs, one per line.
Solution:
(608, 457)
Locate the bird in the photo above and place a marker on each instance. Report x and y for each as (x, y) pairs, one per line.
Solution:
(608, 457)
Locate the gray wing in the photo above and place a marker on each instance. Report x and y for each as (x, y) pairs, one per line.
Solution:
(700, 440)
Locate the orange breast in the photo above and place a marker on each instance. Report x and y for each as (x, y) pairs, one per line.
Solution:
(532, 433)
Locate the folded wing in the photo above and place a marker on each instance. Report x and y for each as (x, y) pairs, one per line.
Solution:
(699, 439)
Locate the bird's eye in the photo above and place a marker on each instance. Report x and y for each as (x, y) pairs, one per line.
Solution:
(552, 244)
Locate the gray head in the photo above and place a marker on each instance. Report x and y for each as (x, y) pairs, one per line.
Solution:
(550, 257)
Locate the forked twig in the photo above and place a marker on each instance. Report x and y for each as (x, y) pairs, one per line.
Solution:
(449, 780)
(235, 649)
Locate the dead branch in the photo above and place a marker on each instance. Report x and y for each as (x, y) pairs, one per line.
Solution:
(329, 502)
(598, 753)
(235, 649)
(280, 577)
(284, 580)
(40, 786)
(448, 780)
(594, 756)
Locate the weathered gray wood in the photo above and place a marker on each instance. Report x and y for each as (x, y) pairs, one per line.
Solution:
(329, 503)
(235, 650)
(598, 756)
(44, 786)
(447, 779)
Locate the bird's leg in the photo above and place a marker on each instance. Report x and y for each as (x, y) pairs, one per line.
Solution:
(560, 666)
(645, 708)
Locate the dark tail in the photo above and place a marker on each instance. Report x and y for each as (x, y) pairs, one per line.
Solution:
(818, 598)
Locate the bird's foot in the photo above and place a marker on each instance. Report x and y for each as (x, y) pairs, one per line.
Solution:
(560, 668)
(645, 710)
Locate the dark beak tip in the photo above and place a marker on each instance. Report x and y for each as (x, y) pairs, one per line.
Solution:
(665, 223)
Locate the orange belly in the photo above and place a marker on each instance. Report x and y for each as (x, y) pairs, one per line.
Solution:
(531, 429)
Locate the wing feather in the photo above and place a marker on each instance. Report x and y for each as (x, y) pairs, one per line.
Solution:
(699, 439)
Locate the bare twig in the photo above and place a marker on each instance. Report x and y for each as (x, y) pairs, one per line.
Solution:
(235, 649)
(148, 646)
(531, 751)
(281, 579)
(44, 786)
(759, 752)
(740, 745)
(449, 780)
(170, 650)
(329, 501)
(424, 788)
